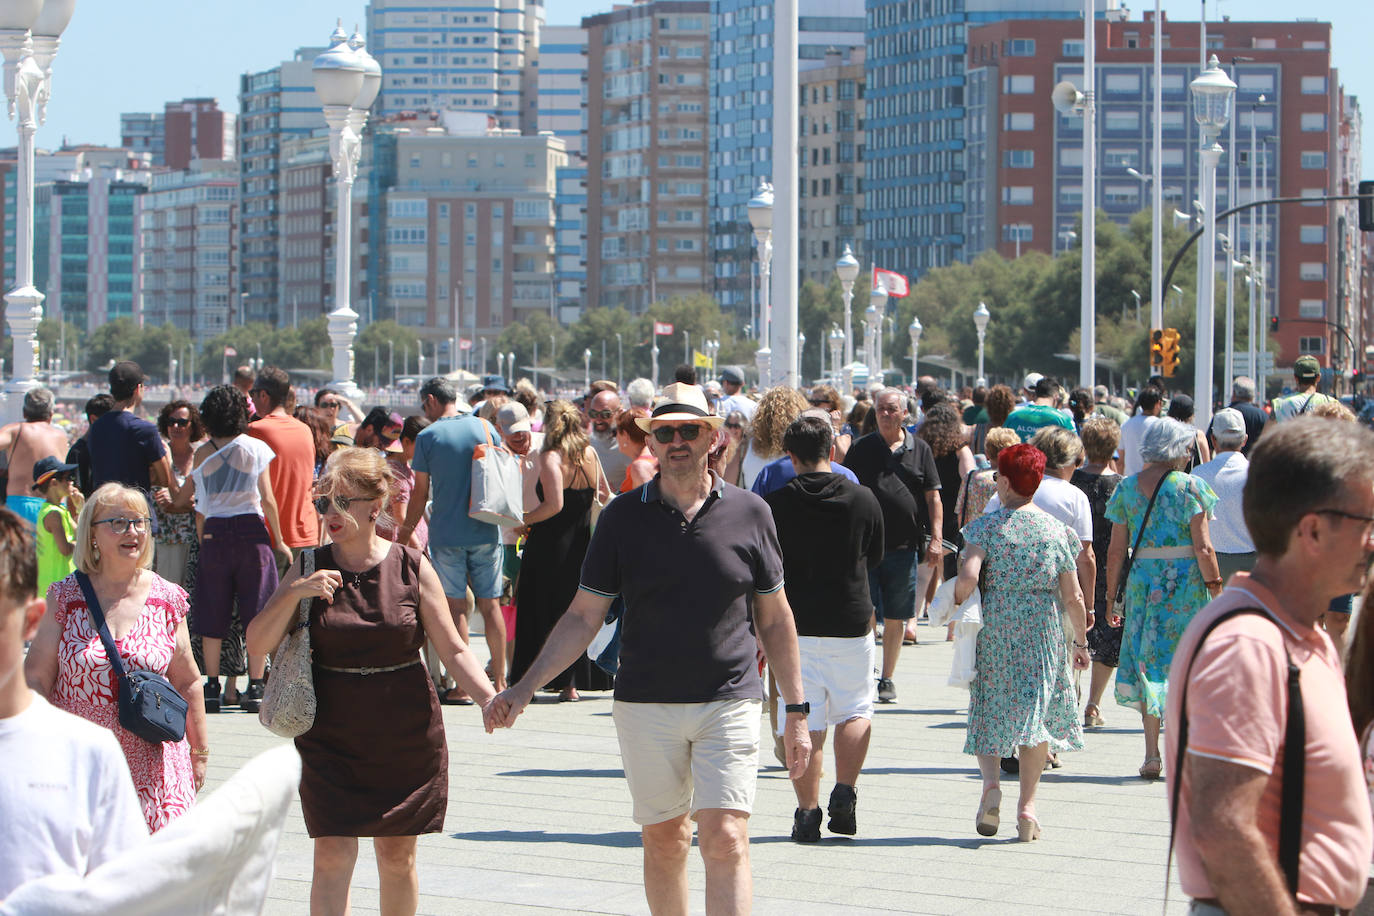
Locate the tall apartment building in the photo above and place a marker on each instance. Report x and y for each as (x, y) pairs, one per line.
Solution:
(186, 247)
(305, 207)
(84, 234)
(570, 231)
(1025, 162)
(562, 82)
(741, 119)
(914, 166)
(647, 104)
(458, 55)
(832, 140)
(275, 105)
(465, 228)
(181, 132)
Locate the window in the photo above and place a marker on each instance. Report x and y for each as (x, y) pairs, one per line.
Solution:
(1122, 82)
(1312, 235)
(1017, 232)
(1018, 196)
(1264, 120)
(1121, 193)
(1072, 48)
(1122, 157)
(1018, 120)
(1018, 85)
(1020, 47)
(1313, 121)
(1071, 195)
(1311, 345)
(1314, 85)
(1171, 156)
(1313, 159)
(1071, 157)
(1313, 192)
(1312, 270)
(1256, 82)
(1121, 119)
(1019, 158)
(1311, 308)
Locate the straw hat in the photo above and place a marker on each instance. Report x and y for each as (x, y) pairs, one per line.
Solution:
(681, 402)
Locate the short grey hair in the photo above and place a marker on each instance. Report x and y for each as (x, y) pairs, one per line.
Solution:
(1243, 388)
(38, 404)
(640, 393)
(1100, 393)
(1229, 441)
(898, 393)
(1167, 439)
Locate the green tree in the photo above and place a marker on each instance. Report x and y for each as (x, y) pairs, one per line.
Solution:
(381, 346)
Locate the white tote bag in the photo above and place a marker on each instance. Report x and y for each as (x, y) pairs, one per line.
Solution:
(497, 495)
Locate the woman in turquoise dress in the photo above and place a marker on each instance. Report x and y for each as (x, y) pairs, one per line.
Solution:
(1174, 571)
(1022, 697)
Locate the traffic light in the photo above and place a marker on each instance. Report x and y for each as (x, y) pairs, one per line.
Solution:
(1156, 350)
(1366, 206)
(1169, 351)
(1273, 324)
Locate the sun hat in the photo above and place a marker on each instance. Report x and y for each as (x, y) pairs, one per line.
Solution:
(681, 402)
(45, 469)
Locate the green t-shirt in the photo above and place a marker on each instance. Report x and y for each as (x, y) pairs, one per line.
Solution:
(1029, 420)
(52, 566)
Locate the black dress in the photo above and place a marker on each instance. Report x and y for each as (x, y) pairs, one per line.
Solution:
(950, 482)
(1104, 642)
(550, 569)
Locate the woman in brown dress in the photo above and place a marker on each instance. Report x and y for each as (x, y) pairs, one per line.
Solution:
(375, 764)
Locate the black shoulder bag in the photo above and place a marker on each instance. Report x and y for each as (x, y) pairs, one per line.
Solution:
(1119, 600)
(149, 706)
(1294, 760)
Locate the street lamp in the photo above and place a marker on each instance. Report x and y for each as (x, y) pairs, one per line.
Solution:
(1136, 294)
(1212, 92)
(1067, 236)
(1254, 214)
(347, 80)
(586, 370)
(914, 330)
(847, 269)
(980, 321)
(30, 31)
(837, 342)
(877, 308)
(619, 362)
(761, 218)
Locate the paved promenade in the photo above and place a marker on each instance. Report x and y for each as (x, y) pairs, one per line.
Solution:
(538, 821)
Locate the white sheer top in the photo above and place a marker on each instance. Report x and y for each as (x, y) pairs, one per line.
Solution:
(227, 481)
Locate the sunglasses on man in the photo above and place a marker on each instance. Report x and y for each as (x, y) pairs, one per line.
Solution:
(601, 414)
(664, 434)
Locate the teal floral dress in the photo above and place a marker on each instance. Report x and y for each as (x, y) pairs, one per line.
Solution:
(1161, 595)
(1022, 694)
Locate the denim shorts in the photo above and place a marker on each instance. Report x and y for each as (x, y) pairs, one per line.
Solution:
(892, 586)
(457, 566)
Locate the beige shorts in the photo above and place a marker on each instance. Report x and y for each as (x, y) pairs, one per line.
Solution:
(683, 757)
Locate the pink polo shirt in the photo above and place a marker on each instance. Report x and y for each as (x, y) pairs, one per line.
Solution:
(1237, 695)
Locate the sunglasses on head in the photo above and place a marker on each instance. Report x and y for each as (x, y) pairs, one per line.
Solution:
(664, 434)
(340, 503)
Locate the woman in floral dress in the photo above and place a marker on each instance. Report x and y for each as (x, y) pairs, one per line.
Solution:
(1022, 698)
(1174, 571)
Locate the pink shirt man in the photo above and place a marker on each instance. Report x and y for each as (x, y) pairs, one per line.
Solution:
(1237, 695)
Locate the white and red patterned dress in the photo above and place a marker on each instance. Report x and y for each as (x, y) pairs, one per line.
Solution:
(86, 686)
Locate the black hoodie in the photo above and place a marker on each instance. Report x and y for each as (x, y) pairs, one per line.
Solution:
(831, 532)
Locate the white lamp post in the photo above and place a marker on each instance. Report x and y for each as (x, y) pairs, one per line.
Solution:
(914, 330)
(761, 218)
(1254, 213)
(847, 269)
(877, 307)
(1068, 99)
(801, 345)
(347, 80)
(586, 370)
(980, 321)
(30, 31)
(1212, 92)
(836, 341)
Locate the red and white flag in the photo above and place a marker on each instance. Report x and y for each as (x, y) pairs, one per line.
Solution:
(663, 327)
(464, 344)
(230, 351)
(895, 283)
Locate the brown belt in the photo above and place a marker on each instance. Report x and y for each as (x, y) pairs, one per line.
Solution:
(1307, 909)
(366, 670)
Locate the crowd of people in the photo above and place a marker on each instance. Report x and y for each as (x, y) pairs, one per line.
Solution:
(769, 552)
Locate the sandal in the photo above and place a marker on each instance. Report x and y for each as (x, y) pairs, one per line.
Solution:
(1151, 768)
(1092, 717)
(1027, 828)
(989, 814)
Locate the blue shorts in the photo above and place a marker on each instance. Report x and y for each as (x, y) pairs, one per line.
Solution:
(892, 586)
(26, 507)
(457, 566)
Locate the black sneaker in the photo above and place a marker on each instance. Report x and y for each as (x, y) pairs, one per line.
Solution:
(211, 692)
(806, 826)
(844, 800)
(1011, 766)
(251, 699)
(887, 691)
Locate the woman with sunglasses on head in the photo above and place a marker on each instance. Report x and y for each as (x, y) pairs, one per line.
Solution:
(146, 617)
(236, 517)
(375, 763)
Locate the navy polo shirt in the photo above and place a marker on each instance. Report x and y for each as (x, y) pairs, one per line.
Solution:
(687, 633)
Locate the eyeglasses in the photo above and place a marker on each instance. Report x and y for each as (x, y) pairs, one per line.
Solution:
(178, 422)
(341, 503)
(122, 525)
(601, 414)
(328, 405)
(1369, 521)
(664, 434)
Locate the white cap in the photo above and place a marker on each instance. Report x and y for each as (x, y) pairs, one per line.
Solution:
(1030, 380)
(1228, 420)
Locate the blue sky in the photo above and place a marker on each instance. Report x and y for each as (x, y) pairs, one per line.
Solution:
(134, 57)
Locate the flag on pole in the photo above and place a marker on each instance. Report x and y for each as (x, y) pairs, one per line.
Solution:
(896, 283)
(663, 327)
(230, 351)
(700, 360)
(464, 344)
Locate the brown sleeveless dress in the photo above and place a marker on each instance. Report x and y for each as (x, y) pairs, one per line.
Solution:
(376, 761)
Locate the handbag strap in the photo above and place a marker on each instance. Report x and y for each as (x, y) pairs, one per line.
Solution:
(968, 480)
(1130, 558)
(303, 607)
(93, 606)
(1294, 760)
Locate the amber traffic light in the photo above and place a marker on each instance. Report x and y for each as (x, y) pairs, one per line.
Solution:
(1156, 350)
(1169, 351)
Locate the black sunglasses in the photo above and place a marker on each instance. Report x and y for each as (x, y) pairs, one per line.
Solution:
(340, 502)
(178, 421)
(328, 405)
(601, 414)
(664, 434)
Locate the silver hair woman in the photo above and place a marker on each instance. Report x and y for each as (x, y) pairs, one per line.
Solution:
(1173, 572)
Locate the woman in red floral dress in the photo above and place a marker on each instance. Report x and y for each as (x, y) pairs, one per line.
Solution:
(146, 616)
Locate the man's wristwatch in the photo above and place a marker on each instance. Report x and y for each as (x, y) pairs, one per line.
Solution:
(803, 708)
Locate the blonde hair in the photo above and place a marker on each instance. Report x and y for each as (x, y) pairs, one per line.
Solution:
(563, 433)
(998, 438)
(1333, 410)
(1101, 436)
(778, 407)
(110, 496)
(364, 472)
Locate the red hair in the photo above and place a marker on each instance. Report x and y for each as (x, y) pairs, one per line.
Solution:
(1023, 466)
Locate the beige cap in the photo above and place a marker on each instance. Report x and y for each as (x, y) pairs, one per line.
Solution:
(513, 418)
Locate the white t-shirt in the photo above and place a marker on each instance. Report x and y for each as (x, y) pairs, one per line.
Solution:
(738, 402)
(67, 802)
(227, 481)
(1132, 434)
(1062, 500)
(1226, 475)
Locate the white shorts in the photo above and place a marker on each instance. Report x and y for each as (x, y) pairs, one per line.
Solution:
(837, 680)
(683, 757)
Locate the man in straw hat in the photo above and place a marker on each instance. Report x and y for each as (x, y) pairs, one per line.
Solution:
(691, 555)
